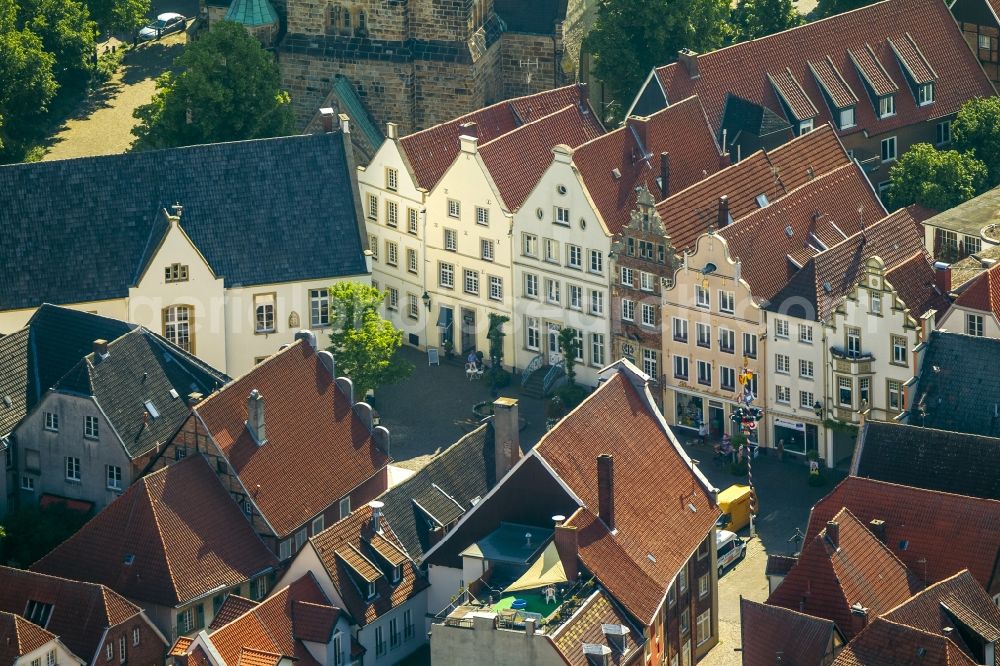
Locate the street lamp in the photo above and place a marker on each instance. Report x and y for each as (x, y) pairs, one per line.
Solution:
(818, 408)
(426, 298)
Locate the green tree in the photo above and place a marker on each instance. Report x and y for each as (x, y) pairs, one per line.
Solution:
(498, 376)
(976, 128)
(32, 532)
(125, 16)
(759, 18)
(569, 345)
(826, 8)
(364, 344)
(228, 90)
(27, 83)
(631, 37)
(67, 32)
(937, 179)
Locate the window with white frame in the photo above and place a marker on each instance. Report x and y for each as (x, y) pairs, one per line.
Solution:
(72, 468)
(411, 221)
(983, 42)
(177, 326)
(864, 389)
(845, 391)
(886, 106)
(781, 328)
(704, 583)
(411, 260)
(454, 208)
(471, 282)
(782, 394)
(135, 636)
(846, 117)
(412, 306)
(529, 245)
(574, 256)
(114, 474)
(551, 251)
(925, 93)
(597, 349)
(853, 341)
(575, 297)
(483, 216)
(685, 623)
(628, 309)
(263, 306)
(319, 307)
(942, 132)
(701, 298)
(727, 340)
(532, 334)
(391, 253)
(393, 298)
(727, 378)
(318, 524)
(596, 302)
(805, 126)
(874, 303)
(894, 395)
(782, 364)
(972, 244)
(391, 214)
(704, 335)
(705, 373)
(446, 275)
(681, 367)
(626, 276)
(648, 315)
(580, 347)
(531, 285)
(372, 207)
(52, 421)
(28, 483)
(391, 179)
(121, 650)
(888, 149)
(899, 347)
(750, 345)
(974, 325)
(727, 301)
(646, 281)
(703, 628)
(806, 400)
(649, 362)
(496, 288)
(596, 262)
(552, 289)
(680, 329)
(451, 240)
(806, 368)
(91, 429)
(805, 334)
(486, 249)
(373, 246)
(562, 216)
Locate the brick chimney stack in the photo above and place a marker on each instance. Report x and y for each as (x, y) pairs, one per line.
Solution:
(723, 211)
(567, 545)
(255, 417)
(326, 116)
(833, 533)
(506, 441)
(689, 59)
(606, 489)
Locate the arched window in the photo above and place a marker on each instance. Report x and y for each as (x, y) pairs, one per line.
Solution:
(178, 326)
(345, 25)
(362, 23)
(332, 18)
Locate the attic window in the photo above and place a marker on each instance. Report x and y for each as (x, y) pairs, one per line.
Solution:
(789, 231)
(827, 287)
(151, 408)
(397, 574)
(174, 394)
(176, 273)
(846, 117)
(904, 544)
(616, 173)
(129, 559)
(925, 93)
(371, 591)
(762, 201)
(38, 612)
(886, 106)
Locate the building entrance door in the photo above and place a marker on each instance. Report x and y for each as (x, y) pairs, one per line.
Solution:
(468, 331)
(716, 419)
(552, 353)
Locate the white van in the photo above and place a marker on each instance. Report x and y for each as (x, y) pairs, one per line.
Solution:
(729, 548)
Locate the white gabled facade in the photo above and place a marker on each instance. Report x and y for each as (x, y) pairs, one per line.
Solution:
(394, 208)
(561, 268)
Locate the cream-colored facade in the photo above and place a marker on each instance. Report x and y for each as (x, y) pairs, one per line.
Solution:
(231, 328)
(712, 329)
(561, 267)
(970, 322)
(53, 652)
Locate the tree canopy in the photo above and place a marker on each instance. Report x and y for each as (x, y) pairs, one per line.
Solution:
(229, 89)
(27, 77)
(119, 15)
(826, 8)
(976, 129)
(364, 344)
(937, 179)
(631, 37)
(759, 18)
(67, 32)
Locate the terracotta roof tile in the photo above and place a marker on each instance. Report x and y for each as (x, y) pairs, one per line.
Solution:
(741, 69)
(81, 612)
(872, 70)
(251, 657)
(915, 283)
(828, 205)
(769, 630)
(832, 82)
(927, 530)
(885, 643)
(633, 153)
(779, 565)
(232, 608)
(431, 151)
(317, 449)
(180, 646)
(314, 622)
(517, 160)
(19, 637)
(983, 292)
(173, 536)
(792, 94)
(656, 532)
(585, 627)
(912, 60)
(352, 535)
(834, 574)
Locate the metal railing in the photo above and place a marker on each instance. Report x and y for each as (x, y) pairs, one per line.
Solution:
(536, 363)
(555, 373)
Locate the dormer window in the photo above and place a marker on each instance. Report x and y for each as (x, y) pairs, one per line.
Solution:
(38, 612)
(176, 273)
(886, 106)
(370, 592)
(925, 94)
(846, 117)
(805, 126)
(397, 574)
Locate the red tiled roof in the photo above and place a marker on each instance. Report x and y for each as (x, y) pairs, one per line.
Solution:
(586, 626)
(912, 60)
(769, 630)
(832, 82)
(933, 526)
(741, 69)
(18, 637)
(317, 449)
(914, 281)
(885, 643)
(654, 483)
(232, 608)
(518, 159)
(633, 150)
(688, 213)
(251, 657)
(180, 646)
(353, 535)
(314, 622)
(792, 94)
(431, 151)
(81, 612)
(872, 70)
(825, 208)
(983, 293)
(830, 578)
(182, 532)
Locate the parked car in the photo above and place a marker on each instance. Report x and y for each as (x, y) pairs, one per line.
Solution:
(729, 548)
(163, 25)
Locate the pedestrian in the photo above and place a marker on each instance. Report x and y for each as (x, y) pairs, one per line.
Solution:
(702, 433)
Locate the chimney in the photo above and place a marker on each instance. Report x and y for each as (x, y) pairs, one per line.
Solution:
(255, 417)
(942, 278)
(689, 59)
(468, 137)
(664, 175)
(606, 490)
(469, 129)
(100, 347)
(308, 336)
(506, 443)
(584, 92)
(345, 123)
(326, 116)
(376, 508)
(723, 212)
(833, 533)
(567, 545)
(877, 528)
(859, 615)
(391, 131)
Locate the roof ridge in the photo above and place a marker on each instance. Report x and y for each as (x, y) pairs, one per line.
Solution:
(526, 125)
(965, 498)
(270, 359)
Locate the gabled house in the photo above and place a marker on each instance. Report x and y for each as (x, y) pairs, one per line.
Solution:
(594, 523)
(886, 643)
(219, 276)
(967, 229)
(949, 392)
(174, 544)
(362, 568)
(976, 310)
(928, 458)
(295, 624)
(290, 444)
(96, 430)
(26, 643)
(94, 623)
(979, 21)
(887, 76)
(772, 634)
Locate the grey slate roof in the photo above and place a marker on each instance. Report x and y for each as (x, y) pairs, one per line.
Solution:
(950, 462)
(958, 387)
(33, 359)
(442, 491)
(142, 366)
(263, 211)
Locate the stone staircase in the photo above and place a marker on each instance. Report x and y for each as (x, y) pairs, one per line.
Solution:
(533, 387)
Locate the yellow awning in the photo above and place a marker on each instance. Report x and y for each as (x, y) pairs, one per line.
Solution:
(546, 570)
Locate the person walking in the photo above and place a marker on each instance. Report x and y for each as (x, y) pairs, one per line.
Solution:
(702, 433)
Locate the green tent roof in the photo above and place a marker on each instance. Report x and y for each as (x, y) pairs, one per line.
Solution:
(252, 12)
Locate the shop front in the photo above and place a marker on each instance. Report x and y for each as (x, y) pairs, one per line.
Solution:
(690, 410)
(796, 436)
